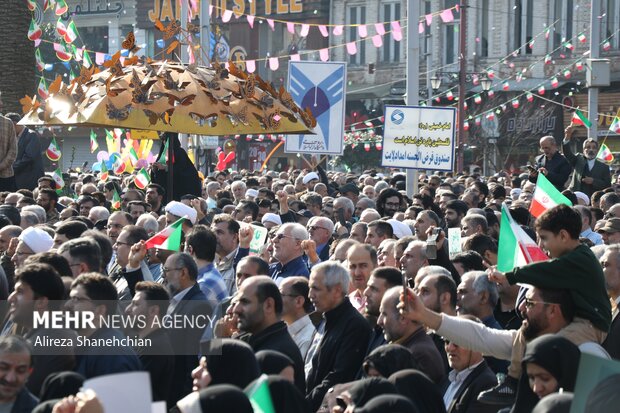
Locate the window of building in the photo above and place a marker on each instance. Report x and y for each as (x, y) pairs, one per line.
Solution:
(451, 34)
(611, 23)
(483, 29)
(522, 21)
(390, 52)
(356, 15)
(563, 16)
(425, 38)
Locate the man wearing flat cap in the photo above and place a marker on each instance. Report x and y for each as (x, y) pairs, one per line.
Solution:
(611, 231)
(351, 191)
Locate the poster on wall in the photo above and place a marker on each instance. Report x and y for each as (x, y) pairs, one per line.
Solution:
(321, 87)
(418, 137)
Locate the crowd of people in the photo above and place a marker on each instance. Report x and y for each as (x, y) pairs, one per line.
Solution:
(354, 303)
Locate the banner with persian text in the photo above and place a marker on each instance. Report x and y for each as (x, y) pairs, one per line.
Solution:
(418, 137)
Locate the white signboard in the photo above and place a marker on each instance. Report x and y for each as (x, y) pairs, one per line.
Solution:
(320, 86)
(418, 137)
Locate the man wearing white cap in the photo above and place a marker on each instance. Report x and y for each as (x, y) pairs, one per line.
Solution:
(31, 241)
(310, 179)
(270, 220)
(176, 210)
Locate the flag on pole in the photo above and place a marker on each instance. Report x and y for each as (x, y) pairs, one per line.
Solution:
(42, 88)
(605, 155)
(260, 396)
(546, 196)
(57, 176)
(87, 61)
(34, 31)
(61, 7)
(515, 247)
(61, 29)
(39, 60)
(580, 119)
(62, 53)
(169, 238)
(142, 179)
(53, 152)
(120, 166)
(164, 154)
(93, 141)
(116, 201)
(133, 156)
(104, 172)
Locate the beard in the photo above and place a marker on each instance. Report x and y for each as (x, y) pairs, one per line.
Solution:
(532, 329)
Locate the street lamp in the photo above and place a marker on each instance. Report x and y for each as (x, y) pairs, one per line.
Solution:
(485, 82)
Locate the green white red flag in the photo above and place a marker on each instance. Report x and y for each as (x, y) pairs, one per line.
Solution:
(105, 174)
(42, 88)
(260, 396)
(615, 124)
(546, 196)
(133, 156)
(94, 145)
(57, 176)
(116, 201)
(580, 119)
(71, 33)
(53, 152)
(604, 154)
(39, 60)
(61, 7)
(169, 238)
(142, 179)
(34, 31)
(515, 247)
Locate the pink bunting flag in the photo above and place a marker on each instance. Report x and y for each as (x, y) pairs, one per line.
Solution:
(305, 29)
(362, 31)
(380, 28)
(421, 28)
(37, 42)
(250, 20)
(290, 27)
(397, 34)
(250, 66)
(351, 48)
(295, 57)
(226, 16)
(429, 19)
(270, 23)
(323, 30)
(274, 63)
(190, 53)
(338, 30)
(447, 16)
(210, 9)
(324, 55)
(99, 58)
(377, 40)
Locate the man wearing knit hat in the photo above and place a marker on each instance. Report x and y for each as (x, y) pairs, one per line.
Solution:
(31, 241)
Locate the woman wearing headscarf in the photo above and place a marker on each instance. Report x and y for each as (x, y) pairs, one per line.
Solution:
(388, 359)
(550, 363)
(361, 392)
(420, 389)
(228, 361)
(276, 363)
(222, 398)
(388, 404)
(184, 174)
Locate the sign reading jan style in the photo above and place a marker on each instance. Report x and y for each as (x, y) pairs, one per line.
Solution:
(319, 86)
(418, 137)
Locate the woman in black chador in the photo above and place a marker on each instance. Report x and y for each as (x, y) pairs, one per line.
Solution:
(184, 174)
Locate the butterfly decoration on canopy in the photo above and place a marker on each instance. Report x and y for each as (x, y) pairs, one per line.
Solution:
(129, 43)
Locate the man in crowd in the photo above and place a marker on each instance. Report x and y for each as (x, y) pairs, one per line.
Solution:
(16, 360)
(201, 245)
(83, 255)
(228, 250)
(551, 163)
(377, 232)
(589, 174)
(362, 260)
(296, 307)
(48, 198)
(288, 252)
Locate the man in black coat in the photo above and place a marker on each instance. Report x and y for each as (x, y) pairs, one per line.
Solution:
(611, 268)
(258, 308)
(590, 174)
(469, 376)
(551, 163)
(28, 166)
(340, 343)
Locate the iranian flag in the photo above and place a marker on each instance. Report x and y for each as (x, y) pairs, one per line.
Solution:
(42, 88)
(61, 52)
(515, 247)
(164, 154)
(605, 155)
(546, 196)
(87, 62)
(168, 239)
(34, 31)
(580, 119)
(61, 7)
(105, 174)
(116, 201)
(71, 33)
(120, 166)
(94, 145)
(615, 124)
(133, 156)
(39, 60)
(53, 152)
(260, 396)
(142, 179)
(57, 176)
(61, 29)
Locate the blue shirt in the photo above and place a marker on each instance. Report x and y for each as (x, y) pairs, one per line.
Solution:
(212, 284)
(596, 238)
(295, 267)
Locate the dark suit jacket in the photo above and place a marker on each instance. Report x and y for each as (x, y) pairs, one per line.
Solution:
(25, 402)
(612, 342)
(599, 173)
(28, 166)
(186, 343)
(466, 398)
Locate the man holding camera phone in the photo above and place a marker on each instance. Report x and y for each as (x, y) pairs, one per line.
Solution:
(551, 163)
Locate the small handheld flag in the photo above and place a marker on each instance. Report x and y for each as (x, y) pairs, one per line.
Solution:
(167, 239)
(142, 179)
(57, 176)
(94, 145)
(580, 119)
(605, 155)
(546, 196)
(116, 201)
(53, 152)
(515, 247)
